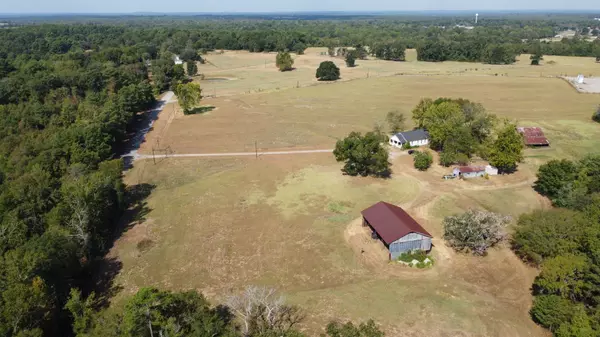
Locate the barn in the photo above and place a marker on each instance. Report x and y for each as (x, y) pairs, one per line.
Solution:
(398, 231)
(418, 137)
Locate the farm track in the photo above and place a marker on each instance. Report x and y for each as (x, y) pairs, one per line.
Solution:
(227, 154)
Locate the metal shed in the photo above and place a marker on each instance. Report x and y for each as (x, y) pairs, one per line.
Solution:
(469, 171)
(398, 231)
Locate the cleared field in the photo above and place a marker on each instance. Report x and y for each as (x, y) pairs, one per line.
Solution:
(314, 117)
(218, 225)
(256, 72)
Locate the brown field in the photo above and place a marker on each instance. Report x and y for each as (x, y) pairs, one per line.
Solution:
(291, 221)
(314, 117)
(256, 72)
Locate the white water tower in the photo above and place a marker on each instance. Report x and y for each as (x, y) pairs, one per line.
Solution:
(476, 17)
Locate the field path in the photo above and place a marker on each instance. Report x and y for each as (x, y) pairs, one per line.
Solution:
(138, 156)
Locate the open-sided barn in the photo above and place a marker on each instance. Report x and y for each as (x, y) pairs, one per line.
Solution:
(398, 231)
(533, 136)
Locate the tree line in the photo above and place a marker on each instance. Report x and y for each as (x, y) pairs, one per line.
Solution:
(255, 312)
(564, 242)
(126, 40)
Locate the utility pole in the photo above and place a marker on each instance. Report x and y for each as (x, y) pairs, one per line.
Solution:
(256, 149)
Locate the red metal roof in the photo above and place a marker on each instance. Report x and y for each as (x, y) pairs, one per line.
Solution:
(469, 169)
(391, 222)
(536, 140)
(533, 136)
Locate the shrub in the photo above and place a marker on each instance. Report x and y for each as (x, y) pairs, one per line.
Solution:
(351, 60)
(447, 158)
(284, 61)
(422, 160)
(419, 255)
(475, 231)
(596, 115)
(328, 71)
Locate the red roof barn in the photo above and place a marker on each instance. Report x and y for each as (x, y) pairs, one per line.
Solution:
(396, 229)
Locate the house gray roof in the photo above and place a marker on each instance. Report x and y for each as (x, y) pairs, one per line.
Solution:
(411, 136)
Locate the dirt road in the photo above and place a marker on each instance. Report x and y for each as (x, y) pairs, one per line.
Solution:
(137, 156)
(147, 124)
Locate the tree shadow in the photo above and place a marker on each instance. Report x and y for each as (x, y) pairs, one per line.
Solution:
(200, 110)
(103, 271)
(103, 281)
(224, 313)
(137, 209)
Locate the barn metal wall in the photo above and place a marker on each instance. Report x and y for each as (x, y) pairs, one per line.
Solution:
(412, 241)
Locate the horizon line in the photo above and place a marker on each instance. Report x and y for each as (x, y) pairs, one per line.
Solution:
(369, 12)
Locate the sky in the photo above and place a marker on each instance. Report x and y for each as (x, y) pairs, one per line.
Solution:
(196, 6)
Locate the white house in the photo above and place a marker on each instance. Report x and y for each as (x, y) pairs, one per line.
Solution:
(418, 137)
(177, 59)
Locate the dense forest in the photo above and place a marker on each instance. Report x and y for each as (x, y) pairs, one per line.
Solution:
(69, 96)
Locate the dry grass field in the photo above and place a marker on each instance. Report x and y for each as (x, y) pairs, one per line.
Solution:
(315, 116)
(291, 221)
(217, 225)
(241, 72)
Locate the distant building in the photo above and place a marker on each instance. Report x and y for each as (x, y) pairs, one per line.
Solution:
(398, 231)
(177, 60)
(533, 136)
(418, 137)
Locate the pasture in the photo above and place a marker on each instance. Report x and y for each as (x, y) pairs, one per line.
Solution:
(219, 224)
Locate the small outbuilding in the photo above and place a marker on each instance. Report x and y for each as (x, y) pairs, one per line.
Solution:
(469, 171)
(414, 138)
(177, 60)
(491, 171)
(398, 231)
(533, 136)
